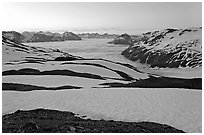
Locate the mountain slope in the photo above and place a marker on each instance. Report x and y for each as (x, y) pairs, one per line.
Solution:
(39, 36)
(172, 48)
(97, 35)
(13, 35)
(70, 36)
(122, 39)
(14, 52)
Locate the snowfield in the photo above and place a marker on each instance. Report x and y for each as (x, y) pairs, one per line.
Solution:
(179, 108)
(34, 65)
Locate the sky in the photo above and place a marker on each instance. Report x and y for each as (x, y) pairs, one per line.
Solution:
(116, 17)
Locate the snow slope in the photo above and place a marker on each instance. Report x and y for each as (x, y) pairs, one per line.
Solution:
(179, 108)
(13, 52)
(174, 48)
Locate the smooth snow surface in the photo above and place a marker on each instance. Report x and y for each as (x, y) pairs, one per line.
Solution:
(88, 48)
(179, 108)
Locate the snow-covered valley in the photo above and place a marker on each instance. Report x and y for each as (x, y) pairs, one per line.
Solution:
(99, 67)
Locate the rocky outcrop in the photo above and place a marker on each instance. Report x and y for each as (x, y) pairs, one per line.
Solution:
(27, 87)
(122, 39)
(51, 37)
(161, 82)
(173, 48)
(13, 35)
(53, 121)
(42, 37)
(39, 36)
(97, 35)
(131, 39)
(28, 35)
(70, 36)
(17, 52)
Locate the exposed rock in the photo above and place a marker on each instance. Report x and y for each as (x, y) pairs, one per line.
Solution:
(51, 37)
(28, 35)
(26, 87)
(122, 39)
(53, 121)
(13, 35)
(97, 35)
(25, 53)
(29, 127)
(65, 58)
(70, 36)
(168, 48)
(72, 129)
(51, 72)
(39, 36)
(161, 82)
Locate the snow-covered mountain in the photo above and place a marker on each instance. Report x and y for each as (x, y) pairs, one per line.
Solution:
(51, 37)
(172, 48)
(97, 35)
(13, 35)
(122, 39)
(39, 36)
(14, 52)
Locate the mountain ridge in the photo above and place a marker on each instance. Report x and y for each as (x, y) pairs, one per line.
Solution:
(26, 36)
(168, 48)
(97, 35)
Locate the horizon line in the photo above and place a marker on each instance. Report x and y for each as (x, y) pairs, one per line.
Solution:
(99, 31)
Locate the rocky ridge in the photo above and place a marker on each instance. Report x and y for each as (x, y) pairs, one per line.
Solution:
(13, 35)
(40, 36)
(53, 121)
(15, 52)
(169, 48)
(122, 39)
(97, 35)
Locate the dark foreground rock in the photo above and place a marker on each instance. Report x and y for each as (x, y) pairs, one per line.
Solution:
(27, 87)
(53, 121)
(161, 82)
(30, 71)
